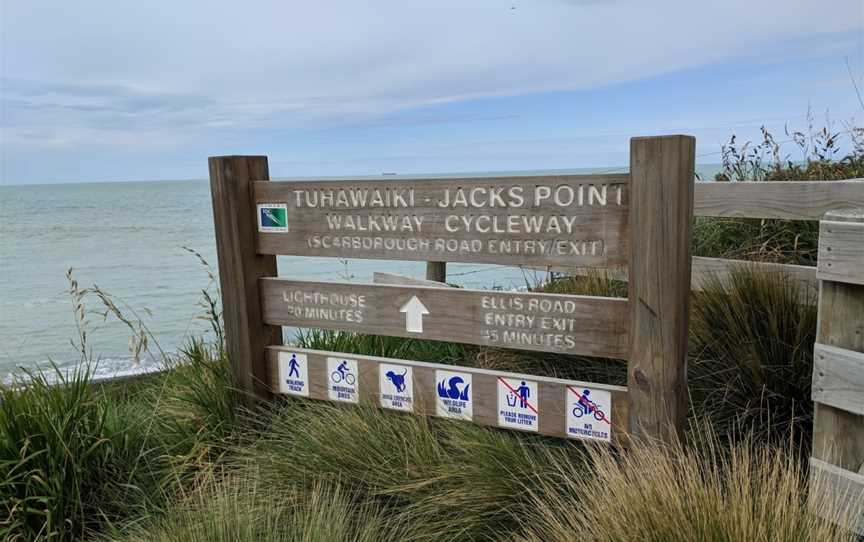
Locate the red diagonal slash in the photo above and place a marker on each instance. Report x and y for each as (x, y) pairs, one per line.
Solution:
(517, 395)
(579, 395)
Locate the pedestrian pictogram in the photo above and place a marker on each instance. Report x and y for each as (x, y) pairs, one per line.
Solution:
(517, 404)
(293, 373)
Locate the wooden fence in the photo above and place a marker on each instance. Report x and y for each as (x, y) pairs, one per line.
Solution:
(837, 462)
(637, 225)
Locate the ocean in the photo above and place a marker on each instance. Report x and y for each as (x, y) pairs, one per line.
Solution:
(128, 239)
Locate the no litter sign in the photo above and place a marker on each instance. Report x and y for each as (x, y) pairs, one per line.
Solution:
(518, 404)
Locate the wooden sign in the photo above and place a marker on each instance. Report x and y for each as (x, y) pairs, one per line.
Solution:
(641, 220)
(580, 325)
(574, 220)
(555, 407)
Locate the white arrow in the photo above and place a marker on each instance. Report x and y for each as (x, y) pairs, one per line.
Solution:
(414, 311)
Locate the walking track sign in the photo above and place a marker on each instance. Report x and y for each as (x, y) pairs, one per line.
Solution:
(640, 221)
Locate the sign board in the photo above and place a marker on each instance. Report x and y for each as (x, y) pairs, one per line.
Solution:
(579, 325)
(518, 404)
(641, 220)
(293, 374)
(589, 413)
(454, 395)
(536, 404)
(571, 220)
(342, 375)
(396, 383)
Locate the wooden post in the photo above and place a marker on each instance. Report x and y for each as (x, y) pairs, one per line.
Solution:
(662, 171)
(838, 369)
(436, 271)
(240, 267)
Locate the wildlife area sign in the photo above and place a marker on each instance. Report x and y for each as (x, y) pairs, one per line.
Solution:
(639, 222)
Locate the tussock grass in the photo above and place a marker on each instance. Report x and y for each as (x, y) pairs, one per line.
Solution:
(763, 240)
(70, 459)
(752, 343)
(239, 510)
(707, 492)
(460, 481)
(378, 452)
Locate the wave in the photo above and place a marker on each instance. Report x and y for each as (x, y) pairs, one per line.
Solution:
(105, 369)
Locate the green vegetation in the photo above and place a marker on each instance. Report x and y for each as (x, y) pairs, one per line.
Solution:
(175, 457)
(752, 354)
(780, 241)
(700, 492)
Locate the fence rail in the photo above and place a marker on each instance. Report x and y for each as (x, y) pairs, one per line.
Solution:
(795, 200)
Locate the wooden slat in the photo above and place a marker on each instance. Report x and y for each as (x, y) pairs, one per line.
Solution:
(801, 200)
(431, 216)
(552, 391)
(841, 248)
(401, 280)
(703, 268)
(581, 325)
(436, 271)
(838, 378)
(837, 495)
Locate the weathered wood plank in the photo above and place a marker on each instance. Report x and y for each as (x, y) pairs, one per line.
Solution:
(583, 325)
(661, 170)
(704, 268)
(838, 378)
(553, 401)
(841, 251)
(838, 435)
(401, 280)
(436, 271)
(240, 267)
(560, 219)
(797, 200)
(837, 495)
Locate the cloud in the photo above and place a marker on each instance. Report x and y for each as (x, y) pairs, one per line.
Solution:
(106, 74)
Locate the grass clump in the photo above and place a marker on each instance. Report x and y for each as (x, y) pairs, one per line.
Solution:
(764, 240)
(703, 492)
(239, 510)
(70, 460)
(752, 353)
(459, 481)
(775, 240)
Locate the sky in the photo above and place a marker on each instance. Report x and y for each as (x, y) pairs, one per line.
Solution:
(107, 90)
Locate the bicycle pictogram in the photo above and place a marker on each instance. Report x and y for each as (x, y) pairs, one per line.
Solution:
(342, 373)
